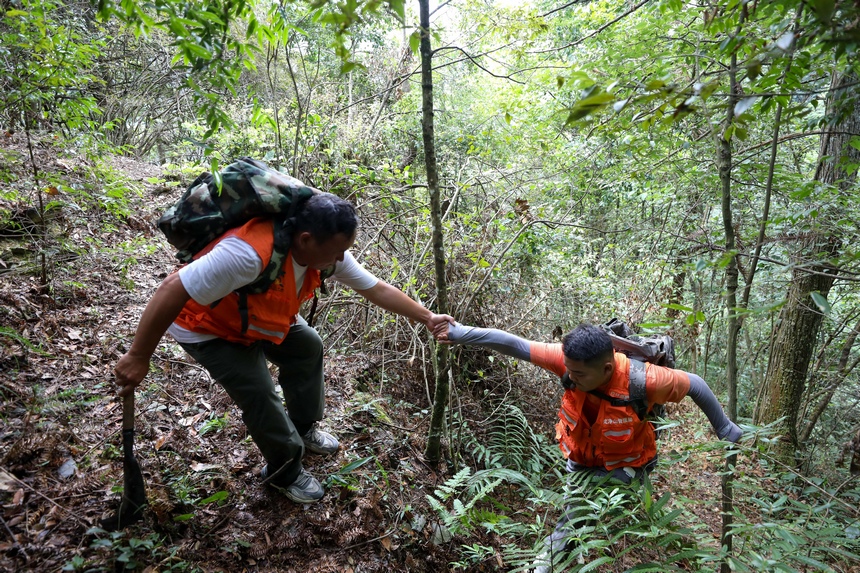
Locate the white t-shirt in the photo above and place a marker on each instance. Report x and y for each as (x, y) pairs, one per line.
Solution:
(233, 263)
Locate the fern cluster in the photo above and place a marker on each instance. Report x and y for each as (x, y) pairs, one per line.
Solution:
(610, 527)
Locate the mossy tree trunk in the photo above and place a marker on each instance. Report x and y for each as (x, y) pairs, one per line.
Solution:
(794, 339)
(440, 399)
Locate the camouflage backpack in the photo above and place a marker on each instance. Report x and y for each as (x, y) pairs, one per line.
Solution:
(249, 188)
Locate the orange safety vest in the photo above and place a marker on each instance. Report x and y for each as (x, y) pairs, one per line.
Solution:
(270, 314)
(617, 438)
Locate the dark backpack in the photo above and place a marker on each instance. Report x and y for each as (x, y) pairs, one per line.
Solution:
(249, 188)
(657, 349)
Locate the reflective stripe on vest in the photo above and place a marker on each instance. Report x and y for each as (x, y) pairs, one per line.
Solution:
(619, 462)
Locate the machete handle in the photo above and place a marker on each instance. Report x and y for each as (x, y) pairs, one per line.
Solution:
(128, 412)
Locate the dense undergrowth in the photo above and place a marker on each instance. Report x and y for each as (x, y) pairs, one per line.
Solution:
(74, 280)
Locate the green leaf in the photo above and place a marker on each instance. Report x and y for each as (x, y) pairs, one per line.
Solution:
(595, 100)
(397, 6)
(15, 13)
(508, 118)
(674, 306)
(220, 496)
(183, 517)
(210, 17)
(352, 466)
(198, 51)
(821, 302)
(178, 28)
(824, 9)
(415, 41)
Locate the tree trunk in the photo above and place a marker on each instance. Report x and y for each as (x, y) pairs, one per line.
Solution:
(799, 322)
(440, 399)
(724, 164)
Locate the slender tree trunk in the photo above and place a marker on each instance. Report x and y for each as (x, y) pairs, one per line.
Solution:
(724, 163)
(793, 341)
(440, 399)
(272, 57)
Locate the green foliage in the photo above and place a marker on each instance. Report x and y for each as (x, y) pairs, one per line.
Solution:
(23, 341)
(784, 522)
(511, 443)
(215, 423)
(47, 52)
(126, 553)
(345, 477)
(806, 523)
(215, 56)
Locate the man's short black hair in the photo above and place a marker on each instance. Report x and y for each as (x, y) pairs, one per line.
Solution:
(587, 343)
(325, 215)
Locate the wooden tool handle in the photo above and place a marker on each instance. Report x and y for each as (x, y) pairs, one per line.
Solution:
(128, 412)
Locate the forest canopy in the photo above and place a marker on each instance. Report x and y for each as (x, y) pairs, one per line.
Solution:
(688, 167)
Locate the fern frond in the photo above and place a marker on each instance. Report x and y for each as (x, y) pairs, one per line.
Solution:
(453, 484)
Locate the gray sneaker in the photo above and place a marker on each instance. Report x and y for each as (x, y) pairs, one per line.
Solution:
(304, 489)
(320, 442)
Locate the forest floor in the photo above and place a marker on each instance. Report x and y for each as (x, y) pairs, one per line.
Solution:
(60, 442)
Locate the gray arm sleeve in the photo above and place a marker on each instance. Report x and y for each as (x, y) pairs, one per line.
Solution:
(708, 403)
(492, 338)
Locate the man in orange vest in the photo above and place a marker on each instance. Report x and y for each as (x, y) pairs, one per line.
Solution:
(599, 433)
(235, 339)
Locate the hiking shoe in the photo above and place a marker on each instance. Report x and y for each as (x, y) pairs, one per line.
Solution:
(304, 489)
(319, 442)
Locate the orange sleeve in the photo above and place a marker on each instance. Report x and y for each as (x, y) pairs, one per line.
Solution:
(665, 384)
(548, 356)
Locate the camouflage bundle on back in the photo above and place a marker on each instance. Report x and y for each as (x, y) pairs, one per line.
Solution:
(249, 188)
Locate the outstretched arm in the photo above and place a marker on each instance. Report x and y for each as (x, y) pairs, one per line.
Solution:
(498, 340)
(708, 403)
(395, 300)
(160, 312)
(543, 354)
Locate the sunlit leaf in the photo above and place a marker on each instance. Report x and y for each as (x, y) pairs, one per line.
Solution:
(784, 41)
(744, 105)
(821, 302)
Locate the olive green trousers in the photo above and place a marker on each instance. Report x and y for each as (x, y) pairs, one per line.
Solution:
(243, 371)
